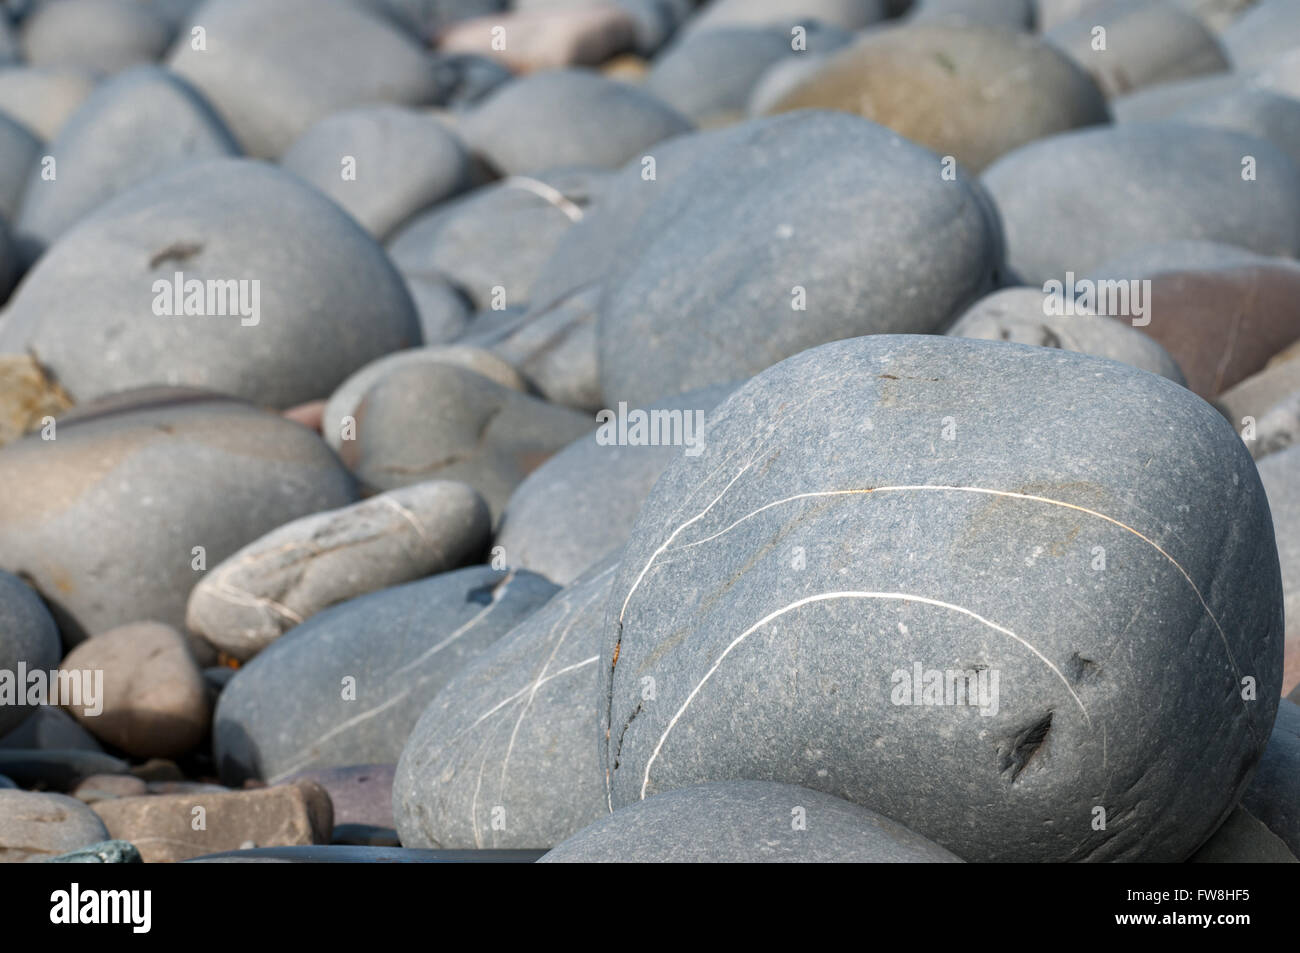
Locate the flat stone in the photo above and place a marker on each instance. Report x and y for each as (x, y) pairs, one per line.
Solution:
(273, 72)
(747, 822)
(348, 685)
(1018, 315)
(29, 642)
(945, 87)
(104, 519)
(780, 591)
(429, 421)
(344, 401)
(504, 756)
(383, 164)
(153, 701)
(1146, 42)
(100, 35)
(546, 525)
(816, 201)
(36, 826)
(1074, 201)
(362, 794)
(290, 574)
(1280, 473)
(135, 126)
(163, 827)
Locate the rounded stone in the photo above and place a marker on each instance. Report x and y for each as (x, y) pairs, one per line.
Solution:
(946, 87)
(302, 567)
(36, 827)
(344, 401)
(348, 685)
(1020, 315)
(1146, 42)
(510, 738)
(20, 151)
(401, 162)
(1071, 202)
(100, 35)
(1274, 793)
(785, 234)
(274, 69)
(153, 703)
(1280, 473)
(117, 517)
(848, 14)
(1265, 31)
(747, 822)
(877, 579)
(133, 127)
(42, 98)
(28, 637)
(291, 294)
(709, 75)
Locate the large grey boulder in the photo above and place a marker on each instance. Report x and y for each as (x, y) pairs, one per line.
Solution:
(1056, 641)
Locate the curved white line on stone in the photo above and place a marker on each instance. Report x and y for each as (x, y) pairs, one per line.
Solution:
(826, 596)
(547, 193)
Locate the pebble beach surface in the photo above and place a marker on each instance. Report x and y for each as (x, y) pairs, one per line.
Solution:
(649, 431)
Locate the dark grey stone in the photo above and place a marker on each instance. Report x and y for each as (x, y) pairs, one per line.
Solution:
(341, 854)
(346, 686)
(7, 784)
(1073, 201)
(427, 421)
(28, 636)
(51, 727)
(55, 769)
(272, 70)
(561, 118)
(19, 152)
(547, 525)
(104, 519)
(878, 505)
(504, 757)
(747, 822)
(327, 300)
(404, 162)
(1274, 793)
(817, 201)
(365, 835)
(1243, 839)
(138, 125)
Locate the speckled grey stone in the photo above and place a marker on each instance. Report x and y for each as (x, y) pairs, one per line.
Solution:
(404, 162)
(560, 118)
(546, 526)
(100, 35)
(1018, 315)
(495, 237)
(504, 757)
(1071, 202)
(747, 822)
(1147, 42)
(137, 125)
(328, 300)
(104, 518)
(780, 590)
(36, 826)
(272, 70)
(1274, 793)
(814, 200)
(425, 421)
(28, 636)
(293, 572)
(391, 652)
